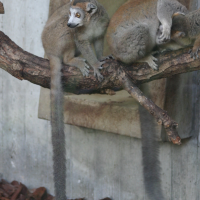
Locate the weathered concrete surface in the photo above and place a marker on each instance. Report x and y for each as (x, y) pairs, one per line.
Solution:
(24, 140)
(99, 164)
(116, 114)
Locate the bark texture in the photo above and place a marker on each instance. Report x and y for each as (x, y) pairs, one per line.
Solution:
(24, 65)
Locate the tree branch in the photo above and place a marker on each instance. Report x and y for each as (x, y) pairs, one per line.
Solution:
(160, 115)
(24, 65)
(1, 8)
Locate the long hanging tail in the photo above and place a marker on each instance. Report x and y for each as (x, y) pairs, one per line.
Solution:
(57, 130)
(150, 154)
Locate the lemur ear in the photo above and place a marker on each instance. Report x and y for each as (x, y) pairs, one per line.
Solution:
(178, 13)
(91, 8)
(178, 34)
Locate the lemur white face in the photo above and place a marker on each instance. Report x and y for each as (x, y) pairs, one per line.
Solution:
(76, 16)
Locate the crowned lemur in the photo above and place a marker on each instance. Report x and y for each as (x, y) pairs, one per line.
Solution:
(132, 34)
(70, 31)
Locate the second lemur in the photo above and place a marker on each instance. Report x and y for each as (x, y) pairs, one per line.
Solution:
(132, 30)
(131, 36)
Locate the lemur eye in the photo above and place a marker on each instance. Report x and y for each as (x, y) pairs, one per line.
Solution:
(78, 15)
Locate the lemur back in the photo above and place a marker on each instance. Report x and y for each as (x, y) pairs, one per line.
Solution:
(129, 31)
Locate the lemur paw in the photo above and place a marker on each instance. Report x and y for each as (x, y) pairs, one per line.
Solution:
(151, 61)
(98, 75)
(165, 36)
(96, 71)
(85, 69)
(158, 36)
(194, 53)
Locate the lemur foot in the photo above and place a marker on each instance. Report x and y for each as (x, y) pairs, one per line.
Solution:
(98, 75)
(96, 71)
(151, 61)
(194, 53)
(84, 68)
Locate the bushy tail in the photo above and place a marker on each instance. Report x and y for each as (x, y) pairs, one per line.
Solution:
(150, 154)
(57, 130)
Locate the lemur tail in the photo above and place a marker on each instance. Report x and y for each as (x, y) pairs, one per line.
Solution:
(57, 130)
(151, 163)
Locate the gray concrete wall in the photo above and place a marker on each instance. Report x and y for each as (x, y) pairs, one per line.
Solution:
(25, 150)
(99, 164)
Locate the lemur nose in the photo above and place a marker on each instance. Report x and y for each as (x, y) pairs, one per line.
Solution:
(69, 24)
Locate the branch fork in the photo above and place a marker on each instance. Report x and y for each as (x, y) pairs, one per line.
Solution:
(161, 116)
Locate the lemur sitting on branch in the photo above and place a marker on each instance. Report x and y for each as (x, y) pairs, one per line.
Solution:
(69, 32)
(132, 35)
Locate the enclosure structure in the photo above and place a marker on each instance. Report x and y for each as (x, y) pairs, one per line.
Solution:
(99, 163)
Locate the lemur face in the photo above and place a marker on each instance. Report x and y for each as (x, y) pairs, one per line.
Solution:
(80, 13)
(76, 16)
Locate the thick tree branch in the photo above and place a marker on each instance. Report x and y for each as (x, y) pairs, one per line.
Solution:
(24, 65)
(160, 115)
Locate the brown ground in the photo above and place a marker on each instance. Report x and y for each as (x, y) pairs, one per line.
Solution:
(18, 191)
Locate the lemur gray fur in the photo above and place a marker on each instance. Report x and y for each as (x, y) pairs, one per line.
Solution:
(69, 32)
(132, 30)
